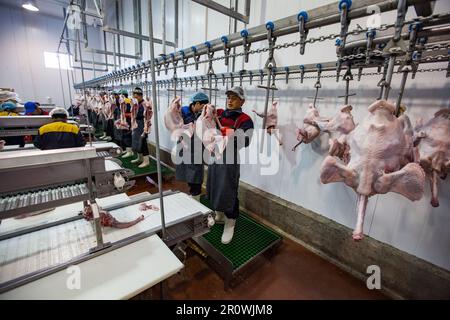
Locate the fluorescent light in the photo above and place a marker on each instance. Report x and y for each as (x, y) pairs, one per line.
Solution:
(30, 5)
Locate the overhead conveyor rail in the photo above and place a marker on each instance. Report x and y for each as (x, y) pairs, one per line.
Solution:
(325, 15)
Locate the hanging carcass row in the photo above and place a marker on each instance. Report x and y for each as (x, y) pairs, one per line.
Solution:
(381, 156)
(433, 141)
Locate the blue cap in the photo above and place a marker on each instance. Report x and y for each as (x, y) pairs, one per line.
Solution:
(199, 97)
(30, 107)
(8, 106)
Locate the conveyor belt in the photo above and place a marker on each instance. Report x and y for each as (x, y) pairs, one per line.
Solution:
(104, 154)
(41, 199)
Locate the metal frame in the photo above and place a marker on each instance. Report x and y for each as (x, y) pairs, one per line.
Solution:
(136, 36)
(227, 11)
(223, 266)
(180, 230)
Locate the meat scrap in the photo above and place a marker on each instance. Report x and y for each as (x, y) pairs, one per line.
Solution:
(144, 207)
(433, 141)
(381, 155)
(107, 220)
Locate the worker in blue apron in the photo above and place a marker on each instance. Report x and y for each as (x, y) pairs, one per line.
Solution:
(190, 169)
(223, 177)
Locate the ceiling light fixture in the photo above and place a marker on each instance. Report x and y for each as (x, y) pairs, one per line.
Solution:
(30, 5)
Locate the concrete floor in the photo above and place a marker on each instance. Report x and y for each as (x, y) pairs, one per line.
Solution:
(292, 273)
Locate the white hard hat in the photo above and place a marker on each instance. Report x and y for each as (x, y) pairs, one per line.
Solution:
(59, 111)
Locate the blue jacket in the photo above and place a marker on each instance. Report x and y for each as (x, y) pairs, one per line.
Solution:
(188, 115)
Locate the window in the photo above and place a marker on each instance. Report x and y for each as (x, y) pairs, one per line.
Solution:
(51, 60)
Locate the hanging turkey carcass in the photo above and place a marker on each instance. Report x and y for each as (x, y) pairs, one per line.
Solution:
(381, 156)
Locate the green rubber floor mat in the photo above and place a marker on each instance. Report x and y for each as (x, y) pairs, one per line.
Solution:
(250, 239)
(126, 162)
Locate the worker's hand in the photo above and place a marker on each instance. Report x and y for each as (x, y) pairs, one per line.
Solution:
(134, 101)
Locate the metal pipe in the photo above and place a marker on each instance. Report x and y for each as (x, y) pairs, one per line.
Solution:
(106, 49)
(389, 74)
(233, 62)
(401, 91)
(93, 65)
(85, 35)
(84, 87)
(70, 90)
(60, 77)
(176, 22)
(266, 106)
(118, 36)
(163, 5)
(137, 27)
(114, 53)
(89, 69)
(153, 77)
(109, 53)
(136, 36)
(222, 9)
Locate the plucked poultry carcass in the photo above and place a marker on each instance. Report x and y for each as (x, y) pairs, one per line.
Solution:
(271, 121)
(174, 121)
(107, 220)
(433, 141)
(122, 123)
(380, 160)
(338, 127)
(206, 130)
(310, 130)
(148, 113)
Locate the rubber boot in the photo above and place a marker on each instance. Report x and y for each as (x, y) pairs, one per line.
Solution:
(138, 159)
(128, 153)
(145, 162)
(228, 230)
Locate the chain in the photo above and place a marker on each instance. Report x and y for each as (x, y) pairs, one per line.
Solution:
(375, 73)
(438, 57)
(437, 47)
(374, 53)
